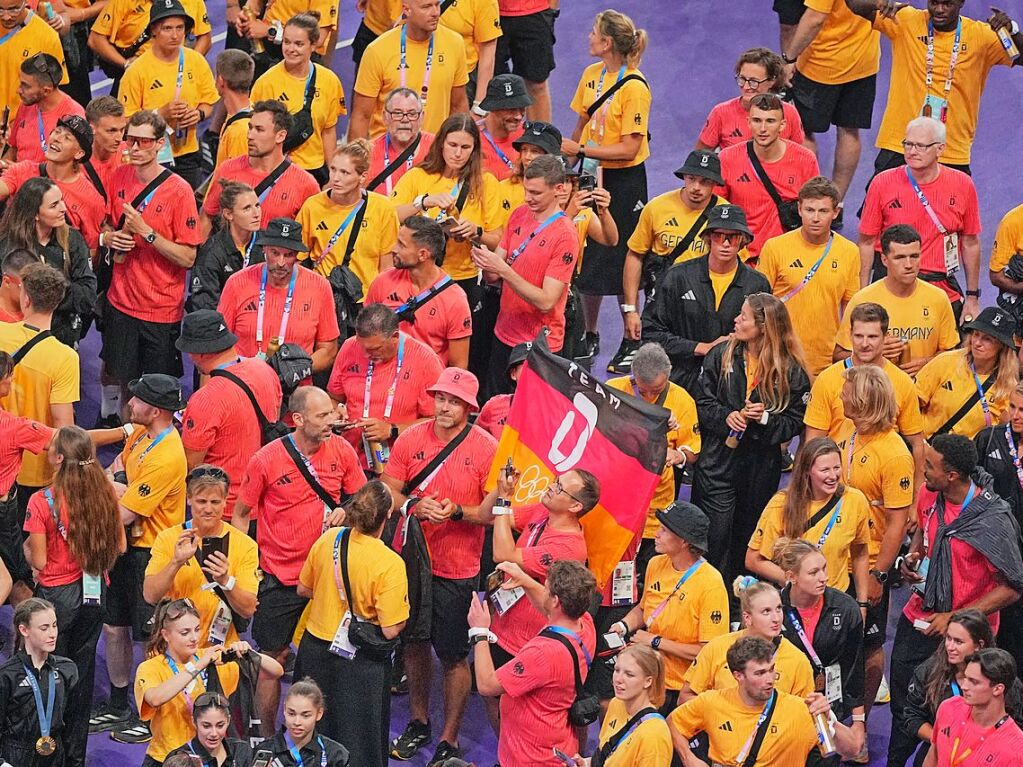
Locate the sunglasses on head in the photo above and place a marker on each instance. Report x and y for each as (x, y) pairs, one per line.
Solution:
(207, 471)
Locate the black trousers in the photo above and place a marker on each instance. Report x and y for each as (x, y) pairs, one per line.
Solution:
(358, 699)
(497, 378)
(12, 520)
(79, 86)
(484, 303)
(909, 650)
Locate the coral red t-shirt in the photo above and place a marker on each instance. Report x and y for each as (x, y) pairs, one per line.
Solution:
(289, 511)
(493, 149)
(891, 199)
(312, 317)
(541, 546)
(988, 745)
(220, 421)
(283, 199)
(455, 547)
(539, 685)
(61, 567)
(105, 168)
(382, 152)
(147, 285)
(743, 187)
(444, 318)
(728, 124)
(551, 253)
(494, 414)
(86, 207)
(29, 133)
(522, 7)
(18, 434)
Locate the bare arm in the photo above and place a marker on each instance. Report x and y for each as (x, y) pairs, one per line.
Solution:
(329, 138)
(810, 24)
(486, 674)
(998, 279)
(203, 43)
(240, 516)
(459, 101)
(323, 355)
(63, 414)
(36, 550)
(485, 65)
(577, 131)
(392, 632)
(866, 246)
(931, 760)
(360, 117)
(458, 352)
(194, 457)
(764, 568)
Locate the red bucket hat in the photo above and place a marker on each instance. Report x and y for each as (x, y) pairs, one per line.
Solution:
(458, 383)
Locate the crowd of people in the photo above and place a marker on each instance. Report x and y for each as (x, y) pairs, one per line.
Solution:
(291, 535)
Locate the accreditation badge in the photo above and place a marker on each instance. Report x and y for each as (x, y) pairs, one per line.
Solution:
(342, 646)
(951, 245)
(934, 106)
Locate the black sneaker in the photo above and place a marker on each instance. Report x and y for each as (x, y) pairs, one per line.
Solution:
(112, 421)
(105, 717)
(621, 363)
(405, 746)
(444, 752)
(132, 731)
(592, 344)
(399, 684)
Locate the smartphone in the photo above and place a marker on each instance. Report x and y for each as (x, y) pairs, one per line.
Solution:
(229, 656)
(340, 427)
(587, 183)
(494, 581)
(263, 759)
(509, 468)
(614, 640)
(448, 224)
(212, 544)
(565, 758)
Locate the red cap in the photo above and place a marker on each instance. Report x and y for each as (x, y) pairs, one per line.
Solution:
(458, 383)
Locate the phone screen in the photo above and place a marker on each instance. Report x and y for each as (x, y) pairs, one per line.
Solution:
(565, 758)
(494, 581)
(614, 640)
(263, 759)
(211, 544)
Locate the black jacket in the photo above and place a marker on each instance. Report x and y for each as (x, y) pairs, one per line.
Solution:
(239, 753)
(215, 261)
(683, 313)
(838, 638)
(995, 458)
(716, 397)
(337, 755)
(18, 706)
(415, 554)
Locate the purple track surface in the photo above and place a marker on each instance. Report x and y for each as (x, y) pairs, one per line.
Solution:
(689, 66)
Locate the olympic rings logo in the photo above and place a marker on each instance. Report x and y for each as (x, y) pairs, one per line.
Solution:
(532, 485)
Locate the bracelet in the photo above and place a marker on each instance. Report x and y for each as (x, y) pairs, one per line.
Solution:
(623, 624)
(101, 239)
(973, 293)
(419, 203)
(229, 586)
(581, 154)
(863, 604)
(502, 511)
(202, 115)
(482, 632)
(191, 669)
(859, 718)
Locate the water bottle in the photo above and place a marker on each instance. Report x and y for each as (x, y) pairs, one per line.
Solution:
(47, 9)
(825, 735)
(732, 440)
(1008, 43)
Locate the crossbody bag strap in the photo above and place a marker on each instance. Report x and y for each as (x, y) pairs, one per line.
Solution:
(592, 108)
(149, 188)
(438, 459)
(242, 115)
(825, 510)
(571, 651)
(405, 153)
(616, 739)
(958, 415)
(346, 537)
(19, 355)
(310, 91)
(309, 478)
(758, 741)
(463, 195)
(94, 178)
(132, 49)
(411, 310)
(445, 5)
(263, 422)
(685, 242)
(270, 180)
(765, 180)
(356, 228)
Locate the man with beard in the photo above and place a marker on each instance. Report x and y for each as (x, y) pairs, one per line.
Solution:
(24, 33)
(506, 102)
(403, 144)
(43, 103)
(417, 280)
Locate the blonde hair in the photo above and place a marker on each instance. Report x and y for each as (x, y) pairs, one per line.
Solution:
(779, 351)
(789, 553)
(651, 664)
(872, 399)
(627, 41)
(1006, 371)
(747, 588)
(359, 151)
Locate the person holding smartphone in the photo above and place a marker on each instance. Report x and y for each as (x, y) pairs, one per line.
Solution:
(298, 743)
(211, 747)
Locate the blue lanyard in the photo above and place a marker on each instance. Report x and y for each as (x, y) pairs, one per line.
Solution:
(422, 296)
(681, 582)
(285, 315)
(927, 205)
(983, 398)
(247, 255)
(16, 30)
(1014, 454)
(403, 66)
(174, 670)
(955, 689)
(578, 639)
(45, 714)
(42, 131)
(806, 640)
(809, 275)
(513, 256)
(340, 230)
(607, 104)
(180, 133)
(969, 497)
(831, 523)
(394, 384)
(760, 722)
(154, 443)
(296, 754)
(54, 513)
(625, 737)
(848, 362)
(454, 194)
(490, 140)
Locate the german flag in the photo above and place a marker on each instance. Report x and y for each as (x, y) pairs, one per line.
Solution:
(562, 418)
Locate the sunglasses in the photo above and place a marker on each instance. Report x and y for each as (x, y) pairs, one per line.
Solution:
(208, 699)
(39, 66)
(207, 471)
(146, 142)
(179, 607)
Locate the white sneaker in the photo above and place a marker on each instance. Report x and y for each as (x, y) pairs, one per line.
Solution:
(884, 695)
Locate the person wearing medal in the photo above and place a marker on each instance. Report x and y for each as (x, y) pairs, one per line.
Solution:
(825, 623)
(505, 105)
(35, 688)
(228, 250)
(177, 670)
(976, 728)
(211, 716)
(403, 144)
(74, 539)
(965, 390)
(355, 684)
(268, 304)
(298, 743)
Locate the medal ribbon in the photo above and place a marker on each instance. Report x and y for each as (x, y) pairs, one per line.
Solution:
(45, 713)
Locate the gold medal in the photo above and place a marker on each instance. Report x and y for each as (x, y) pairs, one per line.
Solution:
(819, 683)
(46, 746)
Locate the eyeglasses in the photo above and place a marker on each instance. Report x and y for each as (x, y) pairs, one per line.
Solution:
(12, 11)
(558, 489)
(146, 142)
(400, 116)
(750, 82)
(726, 236)
(908, 145)
(206, 471)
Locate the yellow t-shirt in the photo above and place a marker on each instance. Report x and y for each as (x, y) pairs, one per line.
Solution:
(283, 10)
(328, 102)
(47, 375)
(648, 744)
(825, 411)
(171, 723)
(625, 113)
(320, 219)
(720, 283)
(151, 83)
(881, 469)
(846, 48)
(925, 318)
(512, 194)
(36, 36)
(381, 15)
(234, 141)
(156, 484)
(785, 261)
(696, 613)
(1008, 239)
(123, 21)
(663, 224)
(477, 21)
(728, 723)
(944, 385)
(378, 580)
(380, 73)
(483, 209)
(979, 50)
(850, 528)
(710, 669)
(682, 406)
(242, 561)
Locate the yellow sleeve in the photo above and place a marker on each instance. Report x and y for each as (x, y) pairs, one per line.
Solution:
(949, 338)
(910, 422)
(461, 68)
(336, 96)
(201, 18)
(305, 218)
(578, 105)
(642, 238)
(491, 204)
(370, 79)
(713, 612)
(768, 264)
(262, 89)
(309, 568)
(636, 110)
(65, 388)
(844, 337)
(204, 85)
(818, 415)
(131, 90)
(927, 380)
(767, 532)
(151, 673)
(861, 534)
(387, 230)
(689, 718)
(392, 605)
(700, 674)
(802, 676)
(162, 551)
(897, 484)
(246, 568)
(487, 22)
(1006, 243)
(688, 432)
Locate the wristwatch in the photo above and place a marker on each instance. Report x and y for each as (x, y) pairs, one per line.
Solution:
(655, 643)
(786, 59)
(458, 514)
(480, 634)
(1014, 29)
(880, 576)
(627, 308)
(502, 508)
(394, 432)
(478, 110)
(150, 238)
(973, 293)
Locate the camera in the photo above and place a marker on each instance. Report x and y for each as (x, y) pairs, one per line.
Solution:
(229, 656)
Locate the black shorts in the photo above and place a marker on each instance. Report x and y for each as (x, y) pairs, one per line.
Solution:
(599, 680)
(125, 605)
(875, 627)
(12, 522)
(449, 623)
(363, 37)
(849, 105)
(275, 621)
(789, 11)
(132, 346)
(528, 41)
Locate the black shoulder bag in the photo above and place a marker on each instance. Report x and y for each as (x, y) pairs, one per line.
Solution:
(824, 511)
(438, 459)
(407, 152)
(654, 266)
(368, 637)
(612, 744)
(958, 415)
(408, 313)
(270, 180)
(106, 266)
(269, 430)
(114, 71)
(344, 283)
(209, 143)
(302, 120)
(585, 708)
(788, 212)
(317, 488)
(19, 355)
